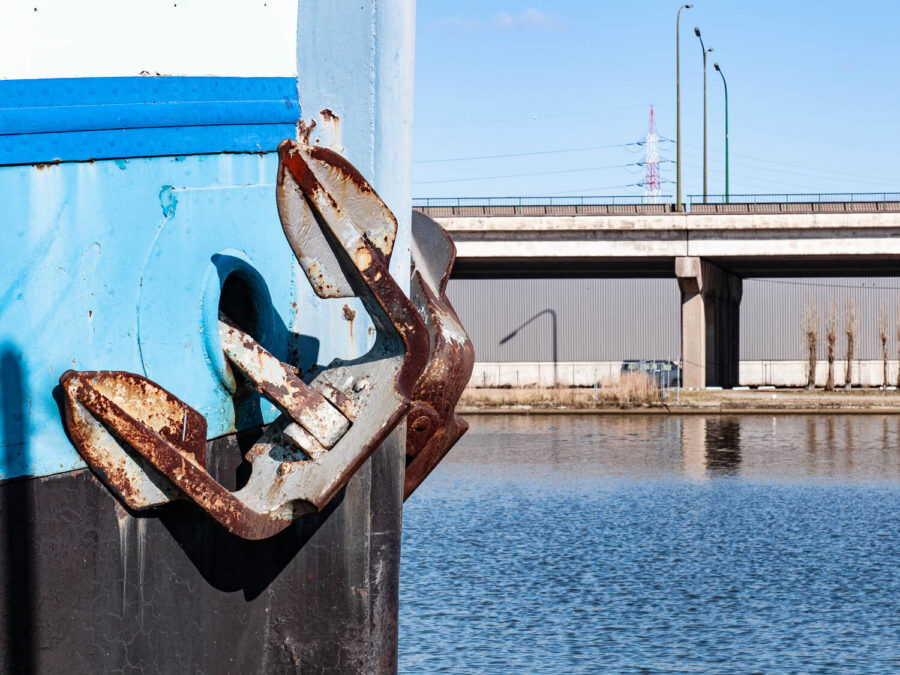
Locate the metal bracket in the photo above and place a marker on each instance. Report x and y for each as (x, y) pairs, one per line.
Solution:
(149, 447)
(433, 427)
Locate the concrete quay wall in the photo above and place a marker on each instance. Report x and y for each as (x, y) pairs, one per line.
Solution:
(779, 373)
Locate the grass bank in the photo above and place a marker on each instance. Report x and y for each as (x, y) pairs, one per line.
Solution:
(643, 397)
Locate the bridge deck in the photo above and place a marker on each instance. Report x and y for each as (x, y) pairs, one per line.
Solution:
(776, 243)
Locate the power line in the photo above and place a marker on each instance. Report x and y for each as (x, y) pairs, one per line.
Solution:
(526, 154)
(522, 175)
(836, 174)
(530, 118)
(826, 285)
(760, 178)
(810, 139)
(591, 189)
(772, 161)
(636, 145)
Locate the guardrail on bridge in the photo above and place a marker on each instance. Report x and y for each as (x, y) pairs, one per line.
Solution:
(602, 205)
(438, 207)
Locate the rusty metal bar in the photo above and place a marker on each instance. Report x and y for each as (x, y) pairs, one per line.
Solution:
(360, 229)
(433, 427)
(279, 382)
(146, 424)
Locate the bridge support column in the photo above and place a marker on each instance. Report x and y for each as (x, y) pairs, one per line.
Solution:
(710, 323)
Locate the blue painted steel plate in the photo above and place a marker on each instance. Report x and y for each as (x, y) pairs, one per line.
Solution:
(69, 119)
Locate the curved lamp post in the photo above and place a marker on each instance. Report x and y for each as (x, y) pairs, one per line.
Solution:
(705, 52)
(553, 346)
(678, 206)
(719, 70)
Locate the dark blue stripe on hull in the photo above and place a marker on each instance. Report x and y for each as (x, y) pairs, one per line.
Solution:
(100, 118)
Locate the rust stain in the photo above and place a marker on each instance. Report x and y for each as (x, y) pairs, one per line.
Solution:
(340, 400)
(371, 263)
(165, 432)
(349, 315)
(340, 164)
(279, 383)
(304, 129)
(433, 426)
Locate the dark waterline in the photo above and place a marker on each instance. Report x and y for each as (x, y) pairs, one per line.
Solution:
(657, 545)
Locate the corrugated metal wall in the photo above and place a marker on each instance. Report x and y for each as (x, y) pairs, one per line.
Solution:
(511, 320)
(773, 310)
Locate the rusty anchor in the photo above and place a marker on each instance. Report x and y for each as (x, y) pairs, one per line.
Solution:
(149, 447)
(433, 426)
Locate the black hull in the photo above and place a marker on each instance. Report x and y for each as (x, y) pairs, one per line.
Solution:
(90, 587)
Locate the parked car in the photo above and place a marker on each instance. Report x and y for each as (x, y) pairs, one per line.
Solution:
(666, 374)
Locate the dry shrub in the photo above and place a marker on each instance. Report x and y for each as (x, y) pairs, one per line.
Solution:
(897, 328)
(533, 396)
(631, 390)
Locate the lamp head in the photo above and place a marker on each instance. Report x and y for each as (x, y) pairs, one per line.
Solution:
(716, 66)
(697, 32)
(688, 6)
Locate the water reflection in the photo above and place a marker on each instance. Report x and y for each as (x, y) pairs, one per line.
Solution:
(723, 446)
(657, 544)
(710, 446)
(693, 447)
(829, 441)
(850, 444)
(812, 435)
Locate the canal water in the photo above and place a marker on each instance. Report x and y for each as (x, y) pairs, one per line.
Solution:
(657, 544)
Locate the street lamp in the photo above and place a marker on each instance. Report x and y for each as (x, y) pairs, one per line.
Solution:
(705, 52)
(716, 66)
(678, 206)
(553, 333)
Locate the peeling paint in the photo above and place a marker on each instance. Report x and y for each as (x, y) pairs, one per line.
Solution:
(168, 201)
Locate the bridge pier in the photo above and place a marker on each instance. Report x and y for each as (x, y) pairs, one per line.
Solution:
(710, 323)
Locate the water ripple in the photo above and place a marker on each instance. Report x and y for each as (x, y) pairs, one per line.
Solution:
(657, 545)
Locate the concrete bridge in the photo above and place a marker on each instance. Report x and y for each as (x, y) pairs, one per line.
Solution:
(709, 250)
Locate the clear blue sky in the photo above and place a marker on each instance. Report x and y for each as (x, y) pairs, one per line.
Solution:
(813, 89)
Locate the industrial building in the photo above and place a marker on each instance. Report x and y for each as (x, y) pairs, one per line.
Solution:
(568, 331)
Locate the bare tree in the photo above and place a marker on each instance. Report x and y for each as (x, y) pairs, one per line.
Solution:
(851, 331)
(883, 335)
(831, 339)
(897, 326)
(811, 335)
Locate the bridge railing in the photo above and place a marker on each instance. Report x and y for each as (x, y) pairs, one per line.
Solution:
(599, 205)
(796, 202)
(601, 200)
(543, 206)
